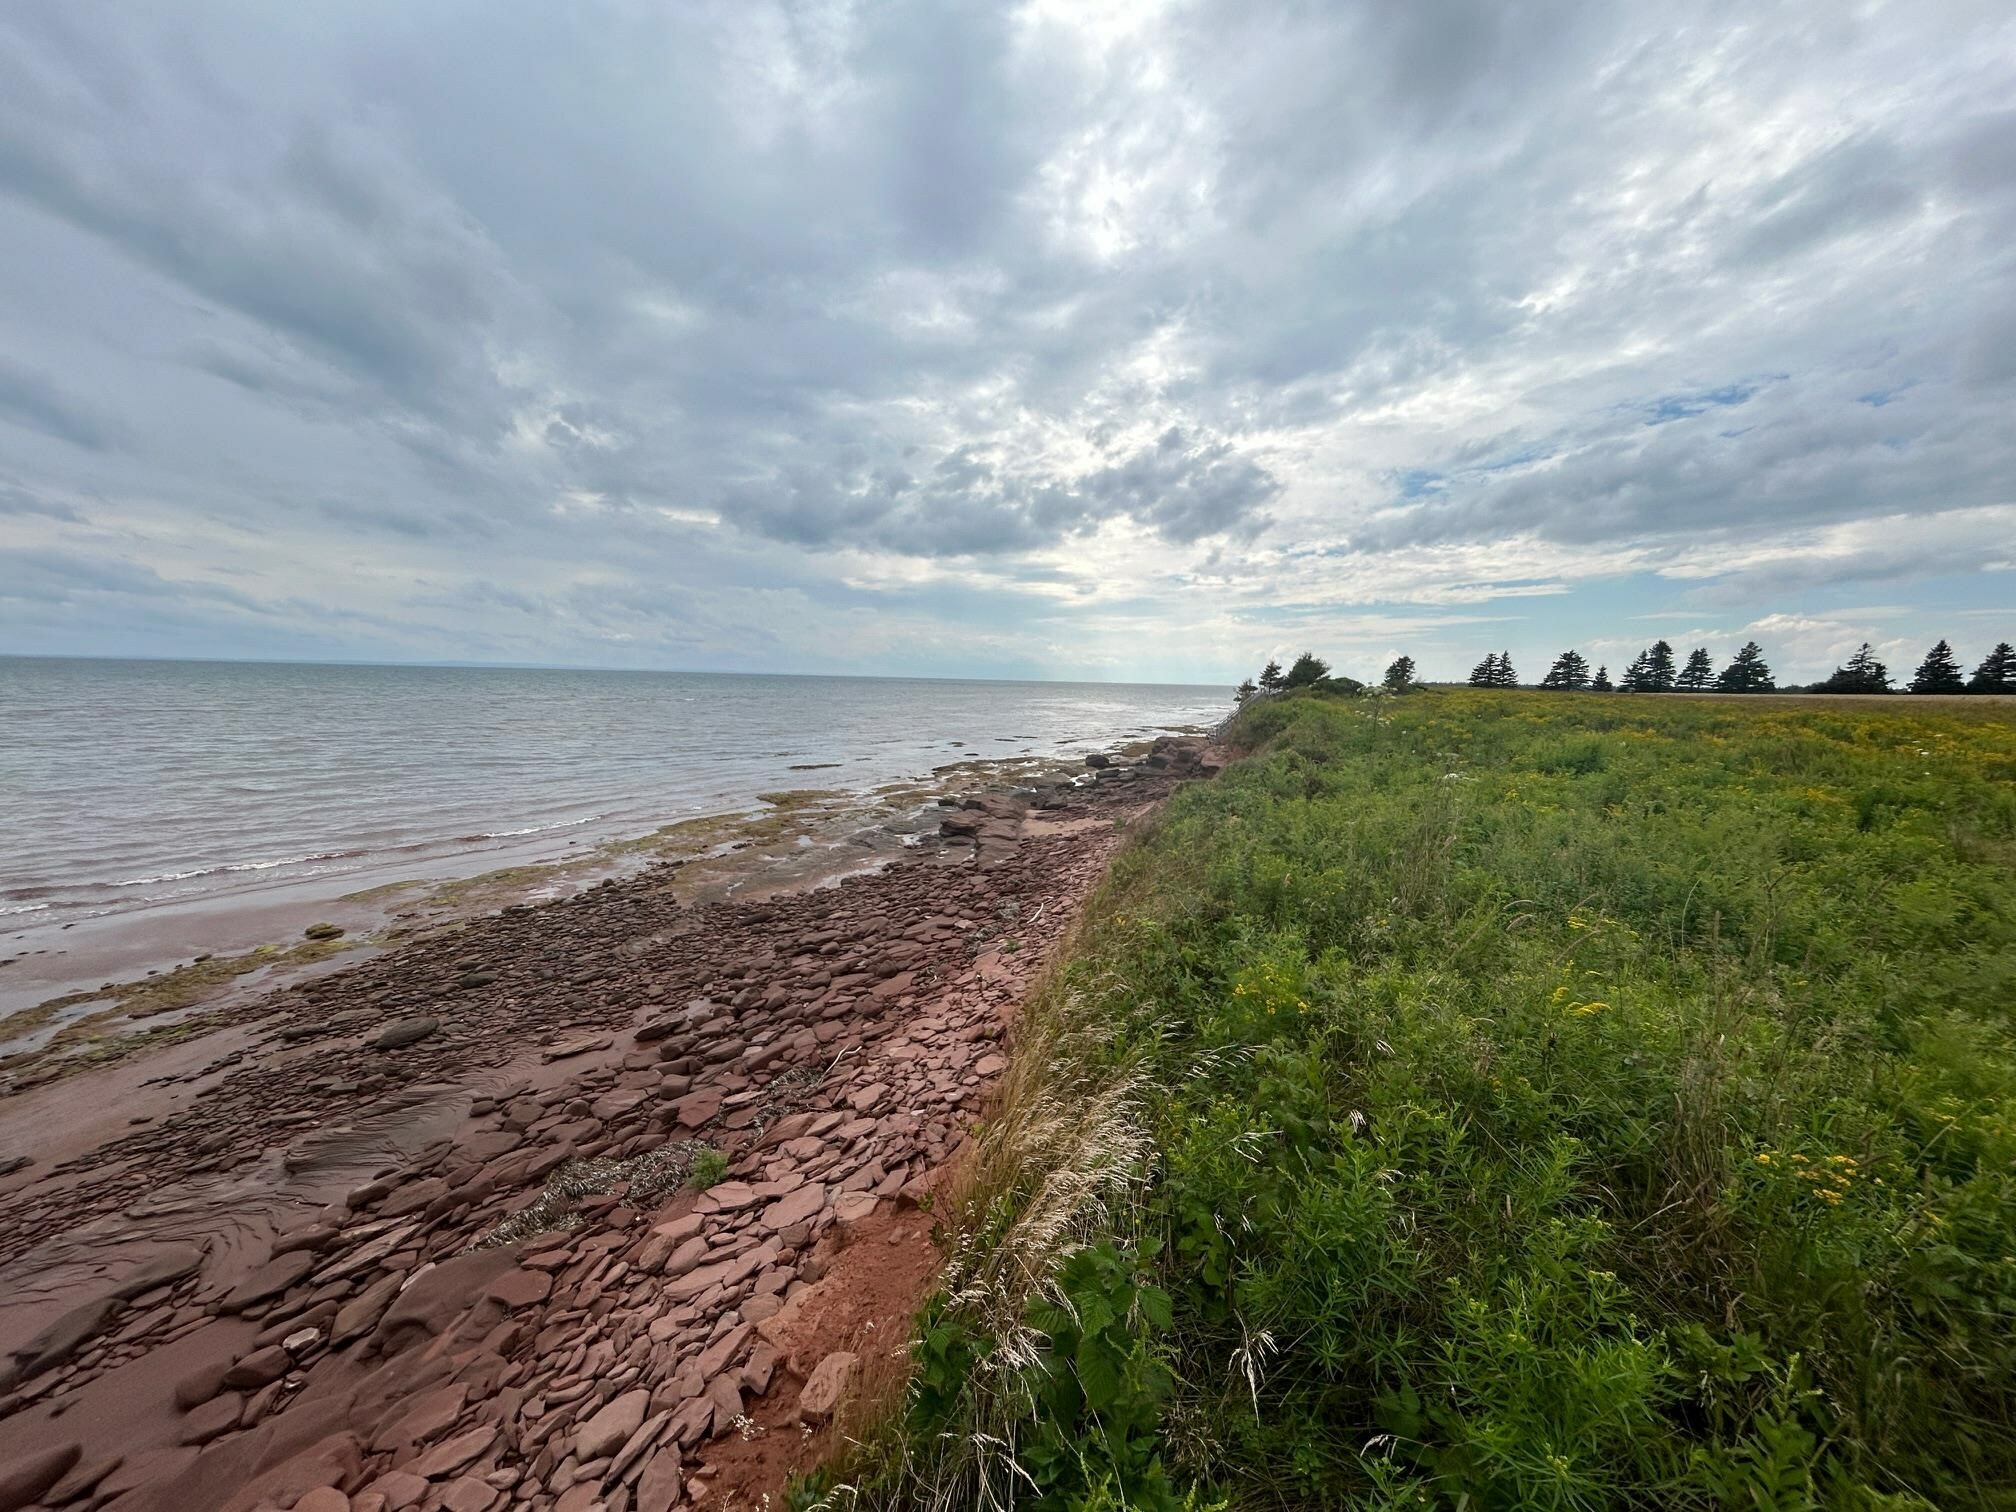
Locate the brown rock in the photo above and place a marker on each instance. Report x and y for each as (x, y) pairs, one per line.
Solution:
(467, 1493)
(361, 1314)
(323, 1499)
(795, 1207)
(867, 1099)
(23, 1481)
(415, 1196)
(610, 1429)
(427, 1416)
(267, 1282)
(437, 1297)
(520, 1288)
(696, 1108)
(850, 1208)
(82, 1478)
(445, 1458)
(167, 1267)
(400, 1488)
(410, 1031)
(659, 1487)
(66, 1335)
(826, 1385)
(218, 1415)
(258, 1368)
(201, 1384)
(329, 1461)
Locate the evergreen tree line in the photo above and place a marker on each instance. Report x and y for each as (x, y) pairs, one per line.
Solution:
(1655, 670)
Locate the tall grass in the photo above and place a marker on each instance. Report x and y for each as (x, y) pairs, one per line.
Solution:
(1505, 1101)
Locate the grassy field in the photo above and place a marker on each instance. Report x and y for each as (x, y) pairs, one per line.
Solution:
(1487, 1100)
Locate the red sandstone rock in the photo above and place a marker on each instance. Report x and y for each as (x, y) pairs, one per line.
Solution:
(23, 1481)
(826, 1385)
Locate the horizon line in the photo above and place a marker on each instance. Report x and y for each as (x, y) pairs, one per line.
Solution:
(480, 666)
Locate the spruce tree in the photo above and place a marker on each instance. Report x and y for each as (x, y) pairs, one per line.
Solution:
(1485, 673)
(1939, 672)
(1699, 673)
(1601, 682)
(1637, 677)
(1507, 678)
(1569, 671)
(1659, 668)
(1309, 668)
(1861, 673)
(1748, 673)
(1270, 676)
(1400, 676)
(1244, 691)
(1997, 672)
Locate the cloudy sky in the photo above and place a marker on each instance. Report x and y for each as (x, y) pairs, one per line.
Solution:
(1063, 339)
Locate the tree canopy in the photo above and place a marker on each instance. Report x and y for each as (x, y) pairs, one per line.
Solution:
(1939, 672)
(1309, 668)
(1570, 670)
(1747, 673)
(1997, 672)
(1861, 673)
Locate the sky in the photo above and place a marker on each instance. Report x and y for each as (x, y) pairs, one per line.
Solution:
(1065, 339)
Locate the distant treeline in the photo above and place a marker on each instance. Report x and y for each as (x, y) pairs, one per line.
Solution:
(1654, 670)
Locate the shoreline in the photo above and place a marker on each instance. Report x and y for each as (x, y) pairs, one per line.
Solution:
(265, 1205)
(75, 987)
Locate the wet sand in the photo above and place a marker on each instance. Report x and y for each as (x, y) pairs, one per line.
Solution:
(260, 1267)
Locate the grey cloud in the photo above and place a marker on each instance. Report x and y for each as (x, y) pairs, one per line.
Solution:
(39, 402)
(481, 308)
(976, 500)
(1856, 186)
(22, 501)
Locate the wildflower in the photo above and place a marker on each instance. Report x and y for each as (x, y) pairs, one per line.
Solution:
(1763, 1157)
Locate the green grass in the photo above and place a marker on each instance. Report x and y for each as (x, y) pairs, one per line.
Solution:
(1530, 1101)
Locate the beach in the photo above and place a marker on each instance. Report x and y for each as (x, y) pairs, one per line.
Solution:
(162, 812)
(608, 1200)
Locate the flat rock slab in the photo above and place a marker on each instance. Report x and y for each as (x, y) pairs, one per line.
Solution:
(826, 1385)
(410, 1031)
(66, 1335)
(806, 1203)
(267, 1282)
(610, 1429)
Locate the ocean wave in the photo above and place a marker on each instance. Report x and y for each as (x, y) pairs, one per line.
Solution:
(238, 866)
(530, 829)
(22, 908)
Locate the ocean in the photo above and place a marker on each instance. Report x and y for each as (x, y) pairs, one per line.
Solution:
(130, 785)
